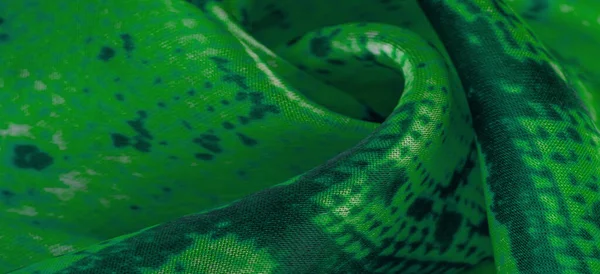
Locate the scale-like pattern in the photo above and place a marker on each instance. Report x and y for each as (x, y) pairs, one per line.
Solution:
(229, 136)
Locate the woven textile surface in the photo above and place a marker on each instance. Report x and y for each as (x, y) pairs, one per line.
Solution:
(239, 136)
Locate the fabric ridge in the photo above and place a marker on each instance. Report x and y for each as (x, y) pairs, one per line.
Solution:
(238, 136)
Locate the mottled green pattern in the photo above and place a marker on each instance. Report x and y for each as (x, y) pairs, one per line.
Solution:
(389, 136)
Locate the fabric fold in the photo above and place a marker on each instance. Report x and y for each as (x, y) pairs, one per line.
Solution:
(400, 136)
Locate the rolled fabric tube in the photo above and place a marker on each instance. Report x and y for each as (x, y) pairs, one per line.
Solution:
(392, 136)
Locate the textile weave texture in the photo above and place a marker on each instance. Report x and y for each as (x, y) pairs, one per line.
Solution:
(263, 136)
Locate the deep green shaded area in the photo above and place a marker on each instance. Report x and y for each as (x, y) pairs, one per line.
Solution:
(391, 136)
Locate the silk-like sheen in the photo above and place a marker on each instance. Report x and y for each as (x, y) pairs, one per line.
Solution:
(317, 136)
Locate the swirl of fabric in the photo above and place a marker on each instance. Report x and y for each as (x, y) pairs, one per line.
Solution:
(262, 136)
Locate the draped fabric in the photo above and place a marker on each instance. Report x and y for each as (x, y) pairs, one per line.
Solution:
(232, 136)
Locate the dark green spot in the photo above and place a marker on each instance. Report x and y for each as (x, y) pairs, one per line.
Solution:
(119, 140)
(557, 157)
(336, 62)
(106, 54)
(243, 120)
(228, 125)
(128, 45)
(7, 193)
(29, 156)
(138, 125)
(446, 228)
(320, 46)
(578, 198)
(574, 135)
(204, 156)
(142, 145)
(543, 133)
(210, 142)
(415, 134)
(247, 141)
(4, 37)
(420, 208)
(323, 71)
(293, 41)
(186, 125)
(241, 96)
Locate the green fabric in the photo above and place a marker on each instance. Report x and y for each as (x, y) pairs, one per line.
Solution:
(389, 136)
